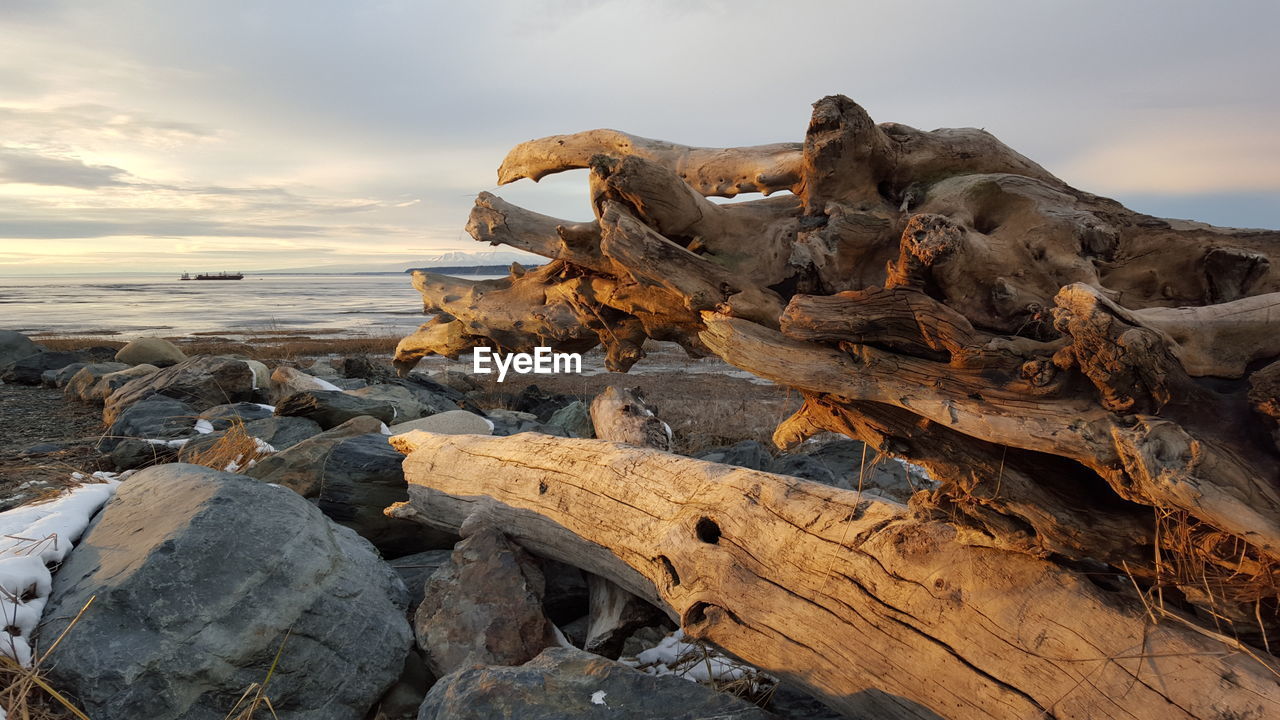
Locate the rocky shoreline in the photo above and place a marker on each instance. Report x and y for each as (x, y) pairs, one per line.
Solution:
(246, 540)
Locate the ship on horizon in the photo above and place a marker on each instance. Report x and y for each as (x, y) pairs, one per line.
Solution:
(213, 276)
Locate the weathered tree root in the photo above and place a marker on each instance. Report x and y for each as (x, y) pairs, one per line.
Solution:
(1091, 385)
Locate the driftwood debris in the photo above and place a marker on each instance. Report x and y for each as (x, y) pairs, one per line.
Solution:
(878, 613)
(1093, 387)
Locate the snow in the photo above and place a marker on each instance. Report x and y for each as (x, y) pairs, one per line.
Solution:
(32, 537)
(597, 698)
(694, 662)
(268, 408)
(384, 429)
(168, 443)
(325, 384)
(204, 427)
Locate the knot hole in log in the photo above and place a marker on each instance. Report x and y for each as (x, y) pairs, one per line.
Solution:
(707, 530)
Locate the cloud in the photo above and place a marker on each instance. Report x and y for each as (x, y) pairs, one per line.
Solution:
(22, 166)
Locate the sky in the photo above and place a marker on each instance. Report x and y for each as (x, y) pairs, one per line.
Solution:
(233, 135)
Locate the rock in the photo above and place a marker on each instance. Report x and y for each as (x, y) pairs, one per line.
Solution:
(349, 383)
(28, 370)
(331, 408)
(202, 382)
(79, 383)
(542, 404)
(150, 351)
(104, 386)
(845, 459)
(360, 366)
(286, 381)
(221, 417)
(155, 417)
(261, 375)
(416, 568)
(400, 398)
(569, 684)
(404, 698)
(360, 477)
(791, 703)
(748, 454)
(14, 346)
(298, 468)
(353, 474)
(324, 368)
(804, 466)
(433, 397)
(58, 378)
(460, 381)
(131, 453)
(574, 419)
(511, 415)
(200, 577)
(453, 422)
(508, 423)
(483, 607)
(281, 433)
(566, 597)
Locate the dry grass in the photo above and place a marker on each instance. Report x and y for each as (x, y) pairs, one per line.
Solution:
(255, 699)
(236, 448)
(25, 693)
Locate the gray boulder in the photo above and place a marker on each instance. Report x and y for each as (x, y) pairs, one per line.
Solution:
(80, 384)
(402, 400)
(483, 607)
(200, 577)
(748, 454)
(452, 422)
(416, 568)
(132, 453)
(432, 396)
(570, 684)
(331, 408)
(851, 469)
(104, 386)
(353, 474)
(15, 346)
(221, 417)
(281, 433)
(59, 378)
(510, 422)
(151, 351)
(156, 417)
(28, 370)
(574, 419)
(202, 382)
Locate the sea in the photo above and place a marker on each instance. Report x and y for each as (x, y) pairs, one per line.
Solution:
(129, 306)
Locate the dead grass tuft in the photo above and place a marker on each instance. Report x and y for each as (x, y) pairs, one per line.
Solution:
(234, 451)
(25, 692)
(255, 699)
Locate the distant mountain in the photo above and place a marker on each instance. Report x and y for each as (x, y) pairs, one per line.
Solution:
(451, 259)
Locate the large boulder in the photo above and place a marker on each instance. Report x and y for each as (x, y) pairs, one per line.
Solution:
(104, 386)
(453, 422)
(416, 568)
(81, 383)
(331, 408)
(200, 578)
(402, 400)
(203, 382)
(281, 433)
(483, 607)
(60, 377)
(221, 417)
(570, 684)
(434, 397)
(286, 381)
(153, 418)
(352, 474)
(150, 351)
(574, 419)
(28, 370)
(15, 346)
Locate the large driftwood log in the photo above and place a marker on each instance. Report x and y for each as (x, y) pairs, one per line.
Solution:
(1090, 385)
(878, 613)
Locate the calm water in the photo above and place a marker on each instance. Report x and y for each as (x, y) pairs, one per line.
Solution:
(354, 304)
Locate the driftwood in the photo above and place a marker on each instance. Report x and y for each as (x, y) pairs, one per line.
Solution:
(1092, 386)
(879, 614)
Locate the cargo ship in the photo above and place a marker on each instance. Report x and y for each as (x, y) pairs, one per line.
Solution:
(213, 276)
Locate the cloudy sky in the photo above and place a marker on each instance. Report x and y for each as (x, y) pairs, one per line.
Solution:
(170, 136)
